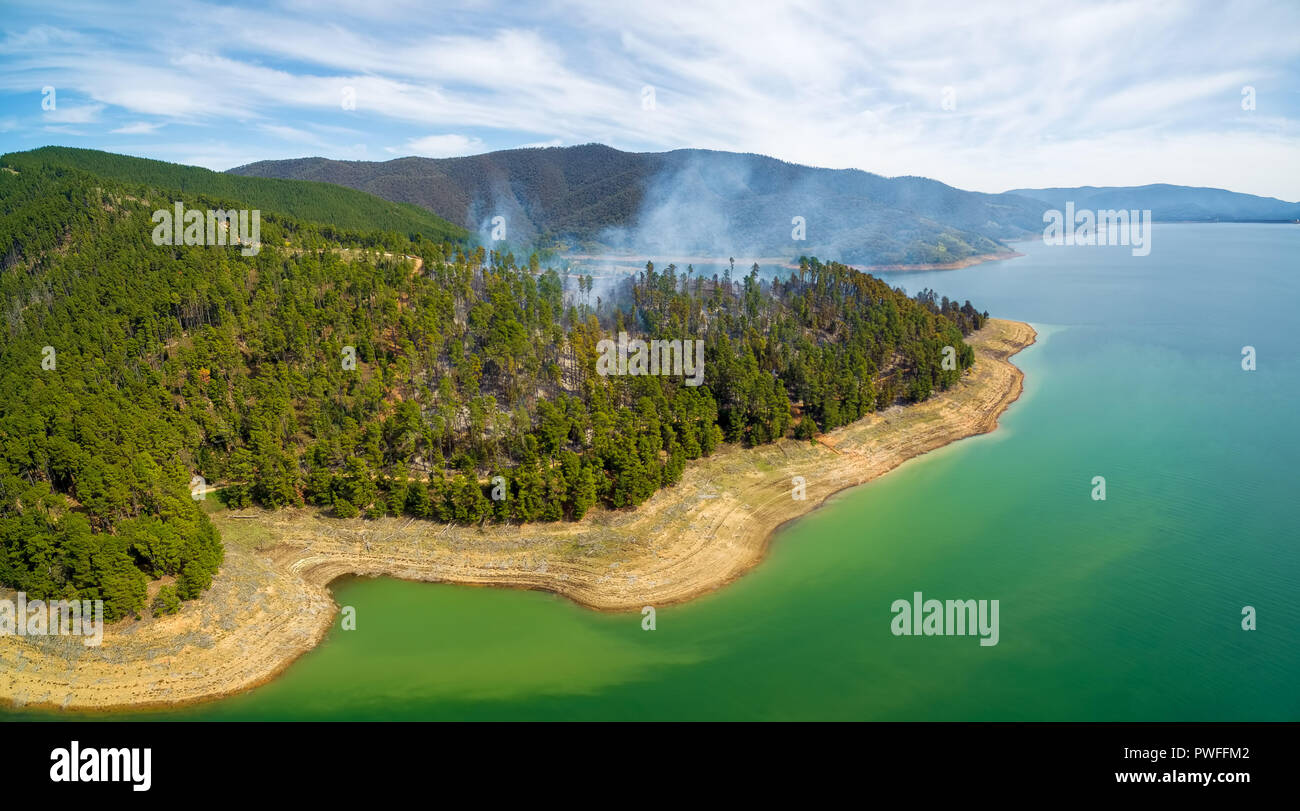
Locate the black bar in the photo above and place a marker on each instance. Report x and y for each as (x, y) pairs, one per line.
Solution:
(276, 761)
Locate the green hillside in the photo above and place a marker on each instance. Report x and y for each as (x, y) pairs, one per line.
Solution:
(364, 382)
(304, 200)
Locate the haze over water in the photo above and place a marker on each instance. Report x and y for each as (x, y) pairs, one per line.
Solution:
(1125, 609)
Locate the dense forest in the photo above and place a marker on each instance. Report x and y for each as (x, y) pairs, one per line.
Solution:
(379, 373)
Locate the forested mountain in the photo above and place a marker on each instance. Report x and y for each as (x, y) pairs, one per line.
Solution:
(690, 201)
(128, 368)
(318, 202)
(1170, 203)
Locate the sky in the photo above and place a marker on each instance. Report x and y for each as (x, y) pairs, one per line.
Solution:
(983, 96)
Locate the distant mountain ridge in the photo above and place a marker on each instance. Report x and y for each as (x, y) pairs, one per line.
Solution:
(1169, 203)
(593, 197)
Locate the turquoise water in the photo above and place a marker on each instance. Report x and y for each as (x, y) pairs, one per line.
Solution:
(1124, 609)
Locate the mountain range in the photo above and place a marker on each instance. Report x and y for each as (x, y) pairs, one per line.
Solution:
(1170, 203)
(594, 198)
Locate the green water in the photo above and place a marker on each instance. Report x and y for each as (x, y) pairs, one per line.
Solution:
(1124, 609)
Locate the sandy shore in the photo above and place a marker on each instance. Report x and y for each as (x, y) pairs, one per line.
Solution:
(977, 259)
(635, 262)
(270, 603)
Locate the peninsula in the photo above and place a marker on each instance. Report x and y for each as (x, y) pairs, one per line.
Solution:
(270, 601)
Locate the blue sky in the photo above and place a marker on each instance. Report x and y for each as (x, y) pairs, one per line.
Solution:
(982, 96)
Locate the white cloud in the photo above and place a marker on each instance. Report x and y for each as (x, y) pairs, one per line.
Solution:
(138, 128)
(62, 130)
(77, 114)
(543, 144)
(1044, 93)
(293, 134)
(440, 146)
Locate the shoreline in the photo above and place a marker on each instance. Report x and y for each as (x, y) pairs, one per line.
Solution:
(956, 264)
(271, 602)
(631, 261)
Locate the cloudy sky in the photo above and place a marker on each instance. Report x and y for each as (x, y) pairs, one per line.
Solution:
(985, 96)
